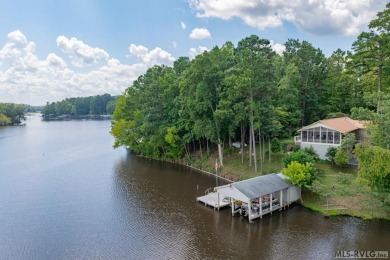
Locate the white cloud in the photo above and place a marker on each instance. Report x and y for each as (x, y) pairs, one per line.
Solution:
(196, 51)
(346, 17)
(55, 61)
(80, 53)
(200, 33)
(278, 48)
(24, 78)
(174, 44)
(183, 25)
(156, 56)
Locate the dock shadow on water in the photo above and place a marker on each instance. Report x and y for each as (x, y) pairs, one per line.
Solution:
(66, 194)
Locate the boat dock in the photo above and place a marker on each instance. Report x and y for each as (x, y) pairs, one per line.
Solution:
(253, 198)
(213, 199)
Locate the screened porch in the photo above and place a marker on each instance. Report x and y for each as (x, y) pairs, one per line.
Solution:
(321, 135)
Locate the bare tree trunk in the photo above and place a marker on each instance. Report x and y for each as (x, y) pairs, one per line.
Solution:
(250, 145)
(254, 146)
(193, 146)
(263, 148)
(379, 88)
(220, 154)
(200, 147)
(185, 148)
(242, 143)
(207, 143)
(230, 141)
(261, 161)
(269, 149)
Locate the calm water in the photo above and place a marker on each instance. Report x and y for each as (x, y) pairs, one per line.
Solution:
(66, 194)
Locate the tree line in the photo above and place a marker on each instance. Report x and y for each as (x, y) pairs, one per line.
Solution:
(12, 114)
(80, 106)
(251, 94)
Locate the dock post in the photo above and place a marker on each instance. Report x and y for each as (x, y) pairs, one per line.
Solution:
(249, 212)
(232, 202)
(261, 207)
(219, 205)
(270, 204)
(281, 200)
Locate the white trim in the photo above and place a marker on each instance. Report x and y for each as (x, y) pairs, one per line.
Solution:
(321, 143)
(317, 124)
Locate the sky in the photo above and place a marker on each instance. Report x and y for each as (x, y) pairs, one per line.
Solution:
(54, 49)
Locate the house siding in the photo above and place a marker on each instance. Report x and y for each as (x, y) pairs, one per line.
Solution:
(320, 149)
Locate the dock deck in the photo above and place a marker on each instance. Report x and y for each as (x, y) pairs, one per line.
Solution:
(211, 199)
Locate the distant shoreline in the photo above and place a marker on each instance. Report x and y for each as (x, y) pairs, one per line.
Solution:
(71, 117)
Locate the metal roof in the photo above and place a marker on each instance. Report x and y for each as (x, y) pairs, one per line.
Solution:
(341, 124)
(262, 185)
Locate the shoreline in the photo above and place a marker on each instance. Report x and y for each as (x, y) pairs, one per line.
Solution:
(324, 212)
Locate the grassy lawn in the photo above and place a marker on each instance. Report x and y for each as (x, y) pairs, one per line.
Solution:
(343, 194)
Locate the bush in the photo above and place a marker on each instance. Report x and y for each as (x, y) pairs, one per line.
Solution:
(341, 158)
(310, 150)
(290, 147)
(331, 153)
(300, 174)
(298, 156)
(275, 145)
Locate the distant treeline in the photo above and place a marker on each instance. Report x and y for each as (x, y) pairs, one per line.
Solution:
(12, 114)
(80, 106)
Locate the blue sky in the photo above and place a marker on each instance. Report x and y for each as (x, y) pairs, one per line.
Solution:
(50, 50)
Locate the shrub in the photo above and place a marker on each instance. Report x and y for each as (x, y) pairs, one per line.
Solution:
(275, 145)
(300, 174)
(341, 158)
(310, 150)
(290, 147)
(331, 153)
(298, 156)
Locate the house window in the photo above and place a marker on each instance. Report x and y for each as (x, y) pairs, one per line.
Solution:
(337, 137)
(323, 135)
(304, 136)
(330, 134)
(317, 135)
(310, 136)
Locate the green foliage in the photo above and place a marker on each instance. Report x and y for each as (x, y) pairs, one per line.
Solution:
(331, 153)
(336, 114)
(310, 150)
(360, 113)
(95, 105)
(223, 93)
(341, 157)
(4, 120)
(275, 145)
(300, 174)
(299, 156)
(12, 114)
(374, 166)
(290, 147)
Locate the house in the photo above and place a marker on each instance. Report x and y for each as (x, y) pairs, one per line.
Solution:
(329, 133)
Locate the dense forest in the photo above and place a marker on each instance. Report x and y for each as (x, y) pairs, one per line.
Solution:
(12, 114)
(248, 93)
(80, 106)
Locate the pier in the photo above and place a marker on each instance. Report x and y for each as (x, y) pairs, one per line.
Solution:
(254, 198)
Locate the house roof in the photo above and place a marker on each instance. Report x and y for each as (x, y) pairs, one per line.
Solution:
(341, 124)
(255, 187)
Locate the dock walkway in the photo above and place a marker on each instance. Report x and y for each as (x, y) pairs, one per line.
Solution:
(214, 200)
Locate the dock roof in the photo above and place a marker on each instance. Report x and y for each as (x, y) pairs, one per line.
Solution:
(255, 187)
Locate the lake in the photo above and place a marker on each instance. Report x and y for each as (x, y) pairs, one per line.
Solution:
(65, 193)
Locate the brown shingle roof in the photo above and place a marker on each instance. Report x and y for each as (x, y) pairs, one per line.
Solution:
(341, 124)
